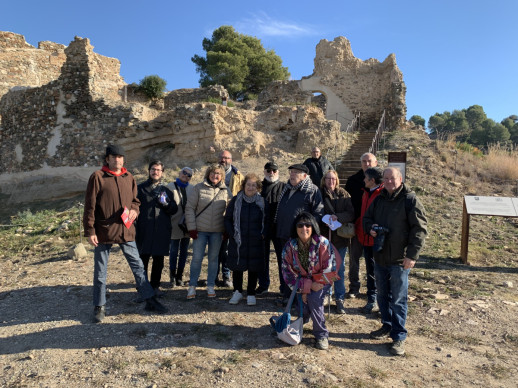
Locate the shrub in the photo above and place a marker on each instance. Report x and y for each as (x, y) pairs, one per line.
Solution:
(153, 86)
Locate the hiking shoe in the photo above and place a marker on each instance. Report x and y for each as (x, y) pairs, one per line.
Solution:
(371, 307)
(210, 292)
(154, 305)
(227, 283)
(99, 313)
(250, 300)
(397, 348)
(179, 282)
(381, 333)
(322, 344)
(261, 290)
(191, 292)
(352, 295)
(236, 297)
(340, 309)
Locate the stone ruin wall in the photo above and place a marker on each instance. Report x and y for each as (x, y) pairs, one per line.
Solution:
(368, 87)
(21, 64)
(190, 96)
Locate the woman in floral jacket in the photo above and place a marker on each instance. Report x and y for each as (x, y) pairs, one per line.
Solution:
(306, 256)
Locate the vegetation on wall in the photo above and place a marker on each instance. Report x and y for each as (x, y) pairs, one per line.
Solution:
(153, 86)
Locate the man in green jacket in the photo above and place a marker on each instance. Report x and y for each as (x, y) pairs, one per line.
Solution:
(397, 221)
(111, 206)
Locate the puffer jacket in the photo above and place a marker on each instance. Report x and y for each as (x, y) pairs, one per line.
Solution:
(340, 205)
(403, 214)
(105, 199)
(368, 197)
(211, 220)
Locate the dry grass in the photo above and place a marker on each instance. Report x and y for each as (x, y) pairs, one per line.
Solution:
(501, 162)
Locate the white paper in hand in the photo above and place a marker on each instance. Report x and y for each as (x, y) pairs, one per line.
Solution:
(333, 225)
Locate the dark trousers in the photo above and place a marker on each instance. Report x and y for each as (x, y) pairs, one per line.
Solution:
(284, 289)
(237, 281)
(222, 260)
(156, 269)
(264, 276)
(371, 281)
(355, 254)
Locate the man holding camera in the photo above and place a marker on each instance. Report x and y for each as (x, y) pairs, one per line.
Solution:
(397, 221)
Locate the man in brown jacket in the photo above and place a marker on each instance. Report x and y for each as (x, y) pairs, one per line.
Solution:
(111, 206)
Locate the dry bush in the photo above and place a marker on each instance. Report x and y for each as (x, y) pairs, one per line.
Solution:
(501, 162)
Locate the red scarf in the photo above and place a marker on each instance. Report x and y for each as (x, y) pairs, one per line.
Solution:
(106, 169)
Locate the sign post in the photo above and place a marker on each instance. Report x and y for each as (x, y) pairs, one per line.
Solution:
(398, 159)
(486, 206)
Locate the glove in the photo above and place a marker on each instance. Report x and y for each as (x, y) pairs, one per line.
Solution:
(193, 234)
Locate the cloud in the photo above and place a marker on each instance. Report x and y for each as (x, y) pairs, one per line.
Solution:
(262, 25)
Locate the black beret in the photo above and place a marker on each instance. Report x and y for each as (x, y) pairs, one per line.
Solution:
(114, 149)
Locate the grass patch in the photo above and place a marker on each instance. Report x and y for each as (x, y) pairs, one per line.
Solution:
(376, 373)
(497, 371)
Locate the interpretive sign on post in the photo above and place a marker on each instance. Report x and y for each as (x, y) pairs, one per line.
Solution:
(398, 159)
(487, 206)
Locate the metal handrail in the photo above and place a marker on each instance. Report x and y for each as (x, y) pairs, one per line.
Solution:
(338, 147)
(377, 136)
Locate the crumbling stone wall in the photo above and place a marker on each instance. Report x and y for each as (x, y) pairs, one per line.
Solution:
(349, 84)
(189, 96)
(21, 64)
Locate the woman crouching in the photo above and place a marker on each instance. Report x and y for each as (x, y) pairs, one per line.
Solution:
(309, 255)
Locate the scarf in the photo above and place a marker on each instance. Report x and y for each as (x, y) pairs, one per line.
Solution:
(259, 201)
(180, 183)
(107, 169)
(305, 186)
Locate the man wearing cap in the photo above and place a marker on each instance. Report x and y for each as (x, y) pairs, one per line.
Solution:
(111, 206)
(272, 189)
(298, 195)
(317, 166)
(233, 181)
(179, 235)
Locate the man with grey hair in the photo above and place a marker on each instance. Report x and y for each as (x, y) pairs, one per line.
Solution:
(317, 166)
(354, 186)
(397, 221)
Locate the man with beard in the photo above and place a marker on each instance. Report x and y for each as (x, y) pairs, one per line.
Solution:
(154, 222)
(271, 191)
(233, 181)
(111, 206)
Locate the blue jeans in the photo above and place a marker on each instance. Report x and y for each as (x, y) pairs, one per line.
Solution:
(213, 240)
(392, 284)
(340, 284)
(101, 255)
(183, 245)
(371, 281)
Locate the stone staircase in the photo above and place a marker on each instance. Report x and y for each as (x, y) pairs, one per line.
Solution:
(350, 163)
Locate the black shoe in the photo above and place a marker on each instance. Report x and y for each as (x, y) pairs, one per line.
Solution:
(261, 291)
(158, 293)
(154, 305)
(370, 307)
(219, 283)
(381, 333)
(398, 348)
(352, 295)
(99, 313)
(340, 309)
(179, 282)
(227, 283)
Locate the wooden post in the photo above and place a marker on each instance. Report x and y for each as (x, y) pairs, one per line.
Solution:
(465, 233)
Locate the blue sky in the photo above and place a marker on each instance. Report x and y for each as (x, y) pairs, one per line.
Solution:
(453, 54)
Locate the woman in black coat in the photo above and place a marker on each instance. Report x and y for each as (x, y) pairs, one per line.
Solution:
(154, 222)
(245, 223)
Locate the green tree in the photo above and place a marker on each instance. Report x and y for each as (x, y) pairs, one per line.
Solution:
(153, 86)
(238, 62)
(418, 120)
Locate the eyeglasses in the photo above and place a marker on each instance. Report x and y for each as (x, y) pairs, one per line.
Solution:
(155, 169)
(301, 225)
(187, 174)
(270, 170)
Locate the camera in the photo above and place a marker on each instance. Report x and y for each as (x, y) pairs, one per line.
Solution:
(379, 240)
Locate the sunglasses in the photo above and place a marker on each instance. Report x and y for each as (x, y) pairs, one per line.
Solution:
(270, 170)
(187, 174)
(301, 225)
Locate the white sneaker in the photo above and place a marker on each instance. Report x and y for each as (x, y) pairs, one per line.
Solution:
(236, 297)
(191, 292)
(250, 300)
(210, 292)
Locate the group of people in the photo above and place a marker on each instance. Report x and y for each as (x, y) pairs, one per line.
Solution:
(237, 217)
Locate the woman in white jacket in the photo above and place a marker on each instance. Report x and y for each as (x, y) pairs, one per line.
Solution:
(204, 213)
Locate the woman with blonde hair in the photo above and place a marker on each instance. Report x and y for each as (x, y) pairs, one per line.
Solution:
(204, 212)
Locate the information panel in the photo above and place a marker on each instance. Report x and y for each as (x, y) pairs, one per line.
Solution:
(491, 206)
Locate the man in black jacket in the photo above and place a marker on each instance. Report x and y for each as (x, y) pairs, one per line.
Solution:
(271, 191)
(317, 166)
(397, 221)
(354, 186)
